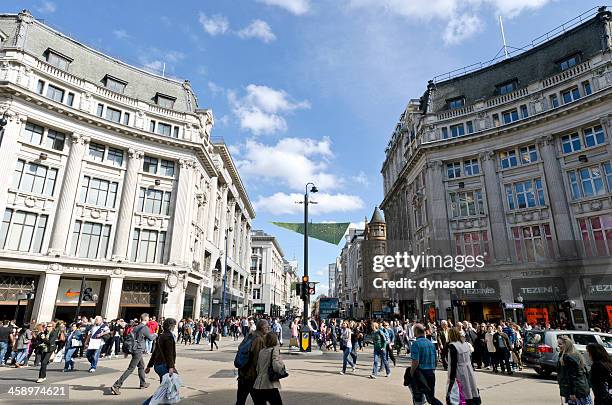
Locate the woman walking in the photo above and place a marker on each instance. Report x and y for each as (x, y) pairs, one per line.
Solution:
(164, 353)
(23, 343)
(571, 374)
(460, 367)
(47, 341)
(214, 333)
(346, 346)
(491, 349)
(74, 341)
(601, 374)
(264, 390)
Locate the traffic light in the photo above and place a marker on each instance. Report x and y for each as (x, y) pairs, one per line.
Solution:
(164, 297)
(311, 288)
(304, 279)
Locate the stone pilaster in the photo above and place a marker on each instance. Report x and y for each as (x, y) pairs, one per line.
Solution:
(557, 197)
(112, 295)
(8, 151)
(212, 208)
(437, 214)
(67, 196)
(495, 206)
(126, 208)
(46, 293)
(181, 219)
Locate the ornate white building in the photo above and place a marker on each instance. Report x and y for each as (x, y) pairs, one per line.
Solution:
(110, 173)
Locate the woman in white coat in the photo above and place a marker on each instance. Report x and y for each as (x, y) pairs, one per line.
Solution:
(460, 367)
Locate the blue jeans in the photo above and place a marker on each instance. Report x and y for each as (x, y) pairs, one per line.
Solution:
(3, 349)
(380, 354)
(149, 344)
(161, 370)
(22, 354)
(92, 357)
(345, 359)
(354, 354)
(69, 363)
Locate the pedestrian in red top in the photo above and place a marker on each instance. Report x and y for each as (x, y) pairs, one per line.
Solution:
(153, 326)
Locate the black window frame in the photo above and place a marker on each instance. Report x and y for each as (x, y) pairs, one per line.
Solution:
(450, 101)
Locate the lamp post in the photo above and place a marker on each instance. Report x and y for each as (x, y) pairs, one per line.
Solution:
(313, 189)
(224, 292)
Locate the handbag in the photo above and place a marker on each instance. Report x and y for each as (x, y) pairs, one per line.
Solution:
(455, 396)
(74, 342)
(273, 375)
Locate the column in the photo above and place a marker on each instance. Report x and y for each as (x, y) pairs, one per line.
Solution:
(223, 216)
(557, 197)
(126, 207)
(46, 295)
(197, 302)
(9, 147)
(70, 186)
(495, 206)
(437, 214)
(212, 208)
(176, 300)
(112, 296)
(181, 220)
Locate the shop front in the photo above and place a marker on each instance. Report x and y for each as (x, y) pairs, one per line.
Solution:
(67, 300)
(542, 300)
(597, 293)
(16, 296)
(478, 304)
(138, 297)
(259, 308)
(205, 302)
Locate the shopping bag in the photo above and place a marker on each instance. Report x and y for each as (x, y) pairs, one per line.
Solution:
(168, 391)
(293, 342)
(94, 344)
(455, 396)
(58, 356)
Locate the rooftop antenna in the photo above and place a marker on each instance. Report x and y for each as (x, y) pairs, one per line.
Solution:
(501, 25)
(164, 67)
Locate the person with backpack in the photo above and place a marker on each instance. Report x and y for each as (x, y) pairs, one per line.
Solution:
(135, 344)
(94, 342)
(246, 361)
(379, 339)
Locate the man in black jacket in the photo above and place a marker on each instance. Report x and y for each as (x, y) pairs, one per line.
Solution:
(502, 350)
(141, 332)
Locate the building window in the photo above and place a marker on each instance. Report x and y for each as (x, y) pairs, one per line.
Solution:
(569, 62)
(99, 192)
(113, 114)
(149, 165)
(165, 101)
(22, 231)
(256, 294)
(588, 181)
(571, 143)
(114, 84)
(164, 129)
(455, 103)
(115, 156)
(153, 201)
(510, 116)
(167, 168)
(586, 88)
(70, 99)
(525, 194)
(470, 127)
(508, 159)
(596, 235)
(457, 130)
(126, 118)
(524, 111)
(151, 126)
(148, 246)
(34, 134)
(533, 243)
(96, 151)
(471, 167)
(444, 133)
(55, 93)
(90, 240)
(100, 110)
(594, 136)
(529, 154)
(506, 88)
(40, 86)
(554, 101)
(591, 137)
(175, 134)
(58, 60)
(453, 170)
(34, 178)
(472, 244)
(570, 95)
(495, 120)
(466, 204)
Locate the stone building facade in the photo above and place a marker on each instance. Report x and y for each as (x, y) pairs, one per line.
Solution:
(109, 173)
(513, 161)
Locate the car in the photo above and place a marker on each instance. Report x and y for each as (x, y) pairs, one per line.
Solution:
(540, 350)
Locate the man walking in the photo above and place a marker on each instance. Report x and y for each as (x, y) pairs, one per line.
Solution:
(5, 331)
(141, 334)
(423, 355)
(248, 373)
(94, 342)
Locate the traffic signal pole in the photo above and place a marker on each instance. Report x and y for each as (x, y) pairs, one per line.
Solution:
(306, 297)
(78, 309)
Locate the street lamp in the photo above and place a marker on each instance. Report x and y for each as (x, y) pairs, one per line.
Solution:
(223, 293)
(312, 189)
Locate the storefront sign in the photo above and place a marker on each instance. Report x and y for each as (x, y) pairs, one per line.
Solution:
(533, 273)
(536, 315)
(597, 288)
(513, 305)
(485, 290)
(540, 289)
(70, 289)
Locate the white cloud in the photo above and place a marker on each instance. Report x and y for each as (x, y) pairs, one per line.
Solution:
(361, 178)
(297, 7)
(214, 88)
(261, 110)
(158, 61)
(214, 25)
(46, 7)
(461, 28)
(257, 29)
(292, 161)
(120, 34)
(460, 16)
(285, 204)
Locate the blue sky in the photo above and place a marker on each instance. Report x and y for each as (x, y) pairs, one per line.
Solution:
(305, 90)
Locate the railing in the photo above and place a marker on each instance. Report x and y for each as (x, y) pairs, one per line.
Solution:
(456, 112)
(507, 97)
(60, 74)
(120, 98)
(165, 111)
(566, 74)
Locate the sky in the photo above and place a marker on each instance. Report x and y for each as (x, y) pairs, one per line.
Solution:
(305, 90)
